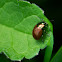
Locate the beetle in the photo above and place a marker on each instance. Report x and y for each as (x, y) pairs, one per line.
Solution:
(38, 29)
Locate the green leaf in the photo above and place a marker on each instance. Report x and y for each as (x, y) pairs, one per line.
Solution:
(58, 56)
(17, 21)
(2, 2)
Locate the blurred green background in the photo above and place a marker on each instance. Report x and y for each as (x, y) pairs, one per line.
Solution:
(53, 11)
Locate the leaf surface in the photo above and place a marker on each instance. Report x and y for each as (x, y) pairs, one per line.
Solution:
(17, 21)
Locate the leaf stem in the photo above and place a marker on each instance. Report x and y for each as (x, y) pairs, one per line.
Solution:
(48, 53)
(49, 50)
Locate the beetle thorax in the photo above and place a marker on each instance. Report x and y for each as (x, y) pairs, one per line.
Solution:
(41, 26)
